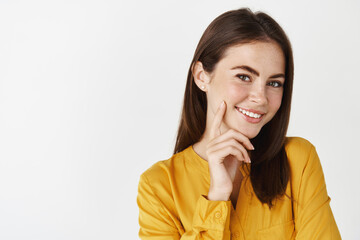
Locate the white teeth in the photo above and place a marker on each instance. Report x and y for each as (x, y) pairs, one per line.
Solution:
(250, 114)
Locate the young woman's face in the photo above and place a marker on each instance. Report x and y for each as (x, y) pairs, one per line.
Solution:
(249, 78)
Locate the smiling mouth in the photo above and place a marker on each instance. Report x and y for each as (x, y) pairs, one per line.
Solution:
(249, 114)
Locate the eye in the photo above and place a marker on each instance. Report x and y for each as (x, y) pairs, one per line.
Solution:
(275, 84)
(243, 77)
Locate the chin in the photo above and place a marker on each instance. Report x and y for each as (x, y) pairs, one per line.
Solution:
(249, 133)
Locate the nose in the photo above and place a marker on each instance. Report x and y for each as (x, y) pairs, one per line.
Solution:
(258, 94)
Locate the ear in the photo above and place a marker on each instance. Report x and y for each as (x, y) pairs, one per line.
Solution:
(201, 77)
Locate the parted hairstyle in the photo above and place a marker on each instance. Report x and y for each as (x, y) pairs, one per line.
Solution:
(270, 170)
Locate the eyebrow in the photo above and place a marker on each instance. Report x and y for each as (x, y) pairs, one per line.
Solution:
(253, 71)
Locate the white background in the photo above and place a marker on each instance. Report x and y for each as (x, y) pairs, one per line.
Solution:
(91, 92)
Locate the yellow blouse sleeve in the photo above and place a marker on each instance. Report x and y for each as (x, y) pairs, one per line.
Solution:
(211, 219)
(313, 216)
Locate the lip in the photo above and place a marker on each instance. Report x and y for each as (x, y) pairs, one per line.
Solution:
(250, 119)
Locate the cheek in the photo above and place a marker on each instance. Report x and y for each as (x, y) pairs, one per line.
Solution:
(216, 94)
(275, 102)
(235, 93)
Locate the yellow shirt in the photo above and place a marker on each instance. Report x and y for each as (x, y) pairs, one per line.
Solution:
(172, 204)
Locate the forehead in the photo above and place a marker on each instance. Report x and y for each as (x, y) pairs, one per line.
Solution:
(264, 56)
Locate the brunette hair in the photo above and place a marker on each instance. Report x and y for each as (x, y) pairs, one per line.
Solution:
(270, 170)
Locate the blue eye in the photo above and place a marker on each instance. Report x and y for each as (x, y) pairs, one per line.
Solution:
(276, 84)
(245, 78)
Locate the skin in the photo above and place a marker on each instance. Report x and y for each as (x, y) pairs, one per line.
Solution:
(226, 140)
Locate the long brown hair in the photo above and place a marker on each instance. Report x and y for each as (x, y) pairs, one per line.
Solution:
(270, 171)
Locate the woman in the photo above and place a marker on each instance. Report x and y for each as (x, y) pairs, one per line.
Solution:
(234, 173)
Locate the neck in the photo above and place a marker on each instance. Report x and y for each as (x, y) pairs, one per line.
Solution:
(200, 147)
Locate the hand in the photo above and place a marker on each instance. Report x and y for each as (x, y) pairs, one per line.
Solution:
(225, 152)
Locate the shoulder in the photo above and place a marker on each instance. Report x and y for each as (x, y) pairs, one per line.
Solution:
(303, 160)
(155, 196)
(298, 148)
(158, 183)
(300, 152)
(297, 144)
(159, 175)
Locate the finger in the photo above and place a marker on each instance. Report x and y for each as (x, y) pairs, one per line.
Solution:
(233, 143)
(223, 152)
(216, 124)
(233, 134)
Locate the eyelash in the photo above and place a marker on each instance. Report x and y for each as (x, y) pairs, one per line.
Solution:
(279, 84)
(242, 75)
